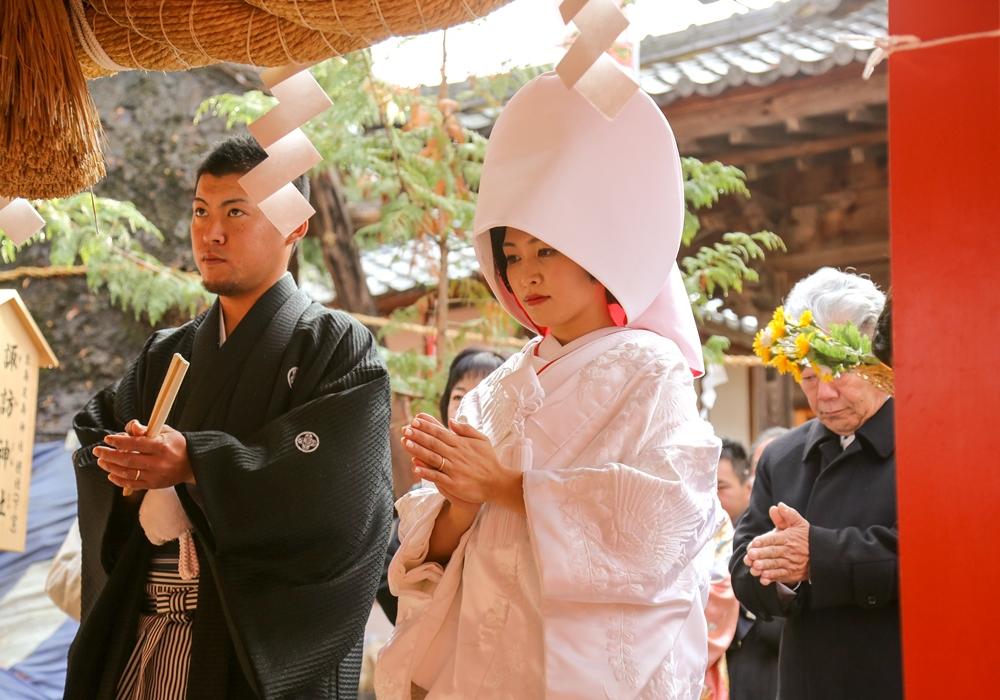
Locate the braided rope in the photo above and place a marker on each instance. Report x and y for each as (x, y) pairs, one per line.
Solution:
(298, 11)
(88, 40)
(163, 30)
(376, 5)
(420, 11)
(336, 15)
(131, 51)
(249, 41)
(468, 10)
(334, 51)
(193, 31)
(284, 46)
(885, 46)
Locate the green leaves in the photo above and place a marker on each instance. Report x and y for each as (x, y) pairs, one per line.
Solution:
(847, 347)
(495, 90)
(388, 144)
(849, 335)
(723, 266)
(792, 345)
(715, 348)
(831, 354)
(415, 375)
(704, 184)
(237, 110)
(111, 247)
(727, 264)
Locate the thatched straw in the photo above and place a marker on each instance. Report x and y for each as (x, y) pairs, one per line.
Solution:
(175, 34)
(49, 138)
(180, 34)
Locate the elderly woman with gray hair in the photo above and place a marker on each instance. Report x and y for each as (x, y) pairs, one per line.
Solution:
(818, 545)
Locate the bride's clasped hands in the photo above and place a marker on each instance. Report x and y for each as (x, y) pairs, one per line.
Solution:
(462, 463)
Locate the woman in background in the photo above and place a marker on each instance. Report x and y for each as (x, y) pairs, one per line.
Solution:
(469, 367)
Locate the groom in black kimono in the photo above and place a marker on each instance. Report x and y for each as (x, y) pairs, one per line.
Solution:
(277, 449)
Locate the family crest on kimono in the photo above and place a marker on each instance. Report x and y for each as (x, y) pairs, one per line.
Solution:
(561, 552)
(246, 562)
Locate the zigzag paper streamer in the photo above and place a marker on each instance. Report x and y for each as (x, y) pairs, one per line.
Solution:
(586, 65)
(289, 152)
(19, 220)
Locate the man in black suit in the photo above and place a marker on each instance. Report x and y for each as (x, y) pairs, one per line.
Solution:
(818, 545)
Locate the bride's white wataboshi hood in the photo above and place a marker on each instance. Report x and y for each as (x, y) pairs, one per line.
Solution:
(607, 193)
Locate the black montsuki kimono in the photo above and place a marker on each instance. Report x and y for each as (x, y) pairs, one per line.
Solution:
(287, 428)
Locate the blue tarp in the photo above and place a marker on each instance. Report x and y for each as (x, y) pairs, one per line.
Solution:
(34, 635)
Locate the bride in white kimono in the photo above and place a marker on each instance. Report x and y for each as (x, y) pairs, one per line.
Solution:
(560, 553)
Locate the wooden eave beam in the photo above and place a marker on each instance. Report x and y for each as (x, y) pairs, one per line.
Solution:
(832, 256)
(804, 149)
(839, 90)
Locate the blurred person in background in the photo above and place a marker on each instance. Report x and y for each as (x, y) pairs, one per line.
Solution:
(734, 479)
(752, 657)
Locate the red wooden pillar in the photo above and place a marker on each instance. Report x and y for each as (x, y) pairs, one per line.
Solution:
(944, 178)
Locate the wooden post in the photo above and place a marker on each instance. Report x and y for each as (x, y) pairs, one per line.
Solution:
(944, 150)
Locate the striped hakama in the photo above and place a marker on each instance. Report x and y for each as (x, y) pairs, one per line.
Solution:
(159, 664)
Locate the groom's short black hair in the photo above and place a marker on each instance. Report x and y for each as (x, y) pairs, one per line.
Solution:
(238, 155)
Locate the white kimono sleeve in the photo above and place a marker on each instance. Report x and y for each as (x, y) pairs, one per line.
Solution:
(63, 581)
(411, 578)
(624, 532)
(426, 591)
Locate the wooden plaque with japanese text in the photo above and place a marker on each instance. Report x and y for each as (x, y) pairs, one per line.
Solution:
(22, 350)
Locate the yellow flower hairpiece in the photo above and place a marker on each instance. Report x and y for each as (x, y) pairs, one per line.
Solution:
(789, 346)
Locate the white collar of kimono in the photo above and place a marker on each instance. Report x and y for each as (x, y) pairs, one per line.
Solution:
(609, 194)
(549, 349)
(222, 328)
